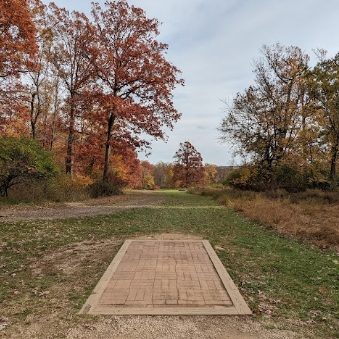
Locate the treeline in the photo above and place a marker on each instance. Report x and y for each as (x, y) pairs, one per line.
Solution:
(186, 171)
(86, 89)
(161, 175)
(286, 125)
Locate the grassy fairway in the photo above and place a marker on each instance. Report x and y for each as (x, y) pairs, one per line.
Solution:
(41, 269)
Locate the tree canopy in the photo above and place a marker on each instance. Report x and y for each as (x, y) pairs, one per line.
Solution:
(87, 88)
(286, 123)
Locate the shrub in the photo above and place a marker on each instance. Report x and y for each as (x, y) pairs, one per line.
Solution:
(65, 188)
(103, 189)
(23, 160)
(291, 178)
(57, 189)
(288, 177)
(324, 185)
(250, 178)
(232, 178)
(112, 186)
(239, 178)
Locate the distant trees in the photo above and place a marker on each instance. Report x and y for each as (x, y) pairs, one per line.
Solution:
(188, 167)
(147, 178)
(286, 123)
(163, 175)
(210, 174)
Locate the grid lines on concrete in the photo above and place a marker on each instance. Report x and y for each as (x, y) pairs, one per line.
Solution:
(166, 277)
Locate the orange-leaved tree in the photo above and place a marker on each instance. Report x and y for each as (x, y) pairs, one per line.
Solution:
(17, 37)
(73, 67)
(17, 54)
(163, 175)
(134, 77)
(147, 178)
(188, 166)
(210, 174)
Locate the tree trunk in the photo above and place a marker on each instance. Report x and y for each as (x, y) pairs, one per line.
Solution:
(55, 112)
(70, 142)
(110, 123)
(5, 187)
(334, 156)
(33, 130)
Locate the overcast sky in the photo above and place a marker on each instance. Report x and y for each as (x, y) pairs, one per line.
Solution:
(214, 43)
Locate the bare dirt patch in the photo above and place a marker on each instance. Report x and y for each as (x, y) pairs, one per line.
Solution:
(176, 327)
(46, 302)
(92, 207)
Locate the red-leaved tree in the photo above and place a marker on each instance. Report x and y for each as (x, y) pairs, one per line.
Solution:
(17, 53)
(135, 79)
(188, 166)
(17, 37)
(73, 67)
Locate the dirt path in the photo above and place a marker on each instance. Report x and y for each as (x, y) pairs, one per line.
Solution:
(86, 208)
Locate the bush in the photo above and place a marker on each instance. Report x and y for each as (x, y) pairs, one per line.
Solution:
(101, 188)
(260, 178)
(291, 178)
(65, 188)
(232, 178)
(57, 189)
(324, 185)
(23, 160)
(250, 178)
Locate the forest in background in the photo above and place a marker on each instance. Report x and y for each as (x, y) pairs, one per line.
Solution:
(79, 94)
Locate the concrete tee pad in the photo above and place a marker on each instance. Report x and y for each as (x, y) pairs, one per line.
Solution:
(166, 277)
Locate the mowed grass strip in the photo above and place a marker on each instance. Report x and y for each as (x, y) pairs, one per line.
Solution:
(295, 284)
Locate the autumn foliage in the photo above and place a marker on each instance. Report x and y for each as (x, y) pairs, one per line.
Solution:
(286, 124)
(135, 80)
(188, 167)
(87, 88)
(17, 37)
(94, 90)
(17, 55)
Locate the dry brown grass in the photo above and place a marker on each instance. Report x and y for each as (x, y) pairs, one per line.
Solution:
(312, 215)
(59, 189)
(317, 223)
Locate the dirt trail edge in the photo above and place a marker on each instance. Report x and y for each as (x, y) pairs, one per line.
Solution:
(85, 208)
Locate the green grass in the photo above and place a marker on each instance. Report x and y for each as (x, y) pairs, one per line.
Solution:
(295, 284)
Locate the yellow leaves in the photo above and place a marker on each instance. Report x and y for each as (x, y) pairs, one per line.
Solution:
(120, 167)
(82, 180)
